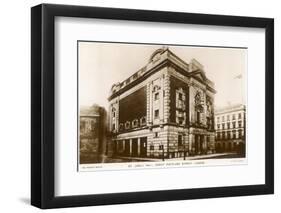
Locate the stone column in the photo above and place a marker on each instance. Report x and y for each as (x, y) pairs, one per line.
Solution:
(110, 117)
(138, 146)
(123, 146)
(131, 141)
(149, 98)
(191, 141)
(148, 104)
(161, 100)
(151, 103)
(205, 144)
(117, 115)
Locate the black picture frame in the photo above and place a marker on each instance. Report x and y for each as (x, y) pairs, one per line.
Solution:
(43, 102)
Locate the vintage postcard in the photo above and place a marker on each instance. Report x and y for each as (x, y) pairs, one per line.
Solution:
(160, 106)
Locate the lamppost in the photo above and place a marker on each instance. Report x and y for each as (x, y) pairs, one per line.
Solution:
(168, 154)
(184, 153)
(163, 157)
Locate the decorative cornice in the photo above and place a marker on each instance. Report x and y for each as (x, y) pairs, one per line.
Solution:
(169, 59)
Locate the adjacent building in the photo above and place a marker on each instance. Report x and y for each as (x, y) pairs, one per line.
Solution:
(92, 134)
(164, 110)
(230, 125)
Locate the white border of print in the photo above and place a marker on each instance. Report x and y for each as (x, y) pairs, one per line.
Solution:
(70, 182)
(161, 164)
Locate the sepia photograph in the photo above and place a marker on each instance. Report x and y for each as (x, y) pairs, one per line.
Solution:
(160, 105)
(135, 105)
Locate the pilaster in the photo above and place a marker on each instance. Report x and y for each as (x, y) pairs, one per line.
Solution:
(166, 89)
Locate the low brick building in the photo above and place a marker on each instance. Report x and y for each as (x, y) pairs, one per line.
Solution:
(92, 134)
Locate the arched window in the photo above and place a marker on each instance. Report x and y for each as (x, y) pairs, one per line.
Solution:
(127, 125)
(143, 121)
(121, 126)
(135, 123)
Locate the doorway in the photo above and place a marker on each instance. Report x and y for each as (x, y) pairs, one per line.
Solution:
(134, 147)
(143, 147)
(127, 147)
(199, 140)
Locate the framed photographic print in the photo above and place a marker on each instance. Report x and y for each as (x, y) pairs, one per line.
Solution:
(140, 106)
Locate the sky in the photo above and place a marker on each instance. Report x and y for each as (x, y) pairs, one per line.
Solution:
(100, 65)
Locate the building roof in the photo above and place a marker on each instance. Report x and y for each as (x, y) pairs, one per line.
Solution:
(92, 111)
(159, 57)
(230, 108)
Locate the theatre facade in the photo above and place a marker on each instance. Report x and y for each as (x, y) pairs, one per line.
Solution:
(164, 110)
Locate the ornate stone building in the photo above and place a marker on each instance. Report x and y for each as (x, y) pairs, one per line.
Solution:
(230, 125)
(164, 110)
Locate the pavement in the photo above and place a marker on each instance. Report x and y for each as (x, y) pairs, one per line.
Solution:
(198, 157)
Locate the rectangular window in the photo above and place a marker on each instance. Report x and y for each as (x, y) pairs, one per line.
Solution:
(234, 134)
(228, 135)
(151, 147)
(228, 125)
(222, 126)
(239, 116)
(156, 96)
(156, 113)
(161, 147)
(222, 118)
(127, 81)
(233, 125)
(218, 119)
(240, 133)
(82, 125)
(240, 124)
(227, 117)
(233, 117)
(180, 120)
(135, 76)
(180, 96)
(198, 117)
(156, 134)
(180, 140)
(92, 125)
